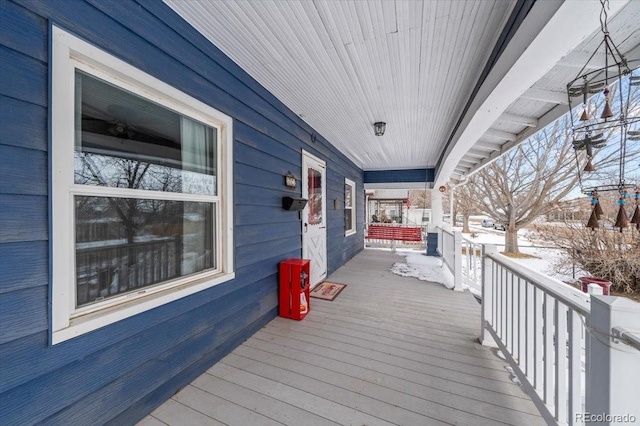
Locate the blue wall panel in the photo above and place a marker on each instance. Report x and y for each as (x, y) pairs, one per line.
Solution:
(119, 373)
(399, 176)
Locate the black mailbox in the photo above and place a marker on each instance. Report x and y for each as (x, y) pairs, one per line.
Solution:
(291, 203)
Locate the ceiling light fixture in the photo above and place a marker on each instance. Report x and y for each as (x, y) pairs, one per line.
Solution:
(379, 127)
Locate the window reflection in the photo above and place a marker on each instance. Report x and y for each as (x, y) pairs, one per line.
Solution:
(125, 244)
(315, 196)
(125, 141)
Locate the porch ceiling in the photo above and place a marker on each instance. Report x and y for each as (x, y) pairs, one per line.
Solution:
(341, 66)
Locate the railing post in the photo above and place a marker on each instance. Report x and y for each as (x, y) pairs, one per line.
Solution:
(487, 294)
(457, 261)
(612, 367)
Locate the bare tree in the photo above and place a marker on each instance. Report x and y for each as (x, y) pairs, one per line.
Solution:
(464, 203)
(537, 175)
(420, 198)
(529, 180)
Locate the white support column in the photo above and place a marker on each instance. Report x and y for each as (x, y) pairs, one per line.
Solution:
(457, 261)
(613, 367)
(436, 210)
(487, 294)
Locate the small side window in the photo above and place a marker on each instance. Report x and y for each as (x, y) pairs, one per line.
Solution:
(349, 207)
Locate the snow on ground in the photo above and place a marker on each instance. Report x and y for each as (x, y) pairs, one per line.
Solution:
(423, 267)
(545, 256)
(428, 268)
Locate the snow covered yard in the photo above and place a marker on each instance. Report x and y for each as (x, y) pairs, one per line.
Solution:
(431, 269)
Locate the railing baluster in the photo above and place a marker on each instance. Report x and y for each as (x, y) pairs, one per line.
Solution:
(548, 348)
(531, 315)
(561, 361)
(537, 340)
(522, 322)
(575, 366)
(514, 315)
(503, 301)
(507, 297)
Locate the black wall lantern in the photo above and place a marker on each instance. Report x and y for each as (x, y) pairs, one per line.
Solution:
(290, 180)
(379, 127)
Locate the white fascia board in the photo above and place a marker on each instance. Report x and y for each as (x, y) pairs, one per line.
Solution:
(534, 50)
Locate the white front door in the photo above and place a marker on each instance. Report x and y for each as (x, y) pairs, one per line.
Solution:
(314, 216)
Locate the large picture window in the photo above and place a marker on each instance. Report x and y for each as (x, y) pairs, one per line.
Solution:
(349, 207)
(141, 191)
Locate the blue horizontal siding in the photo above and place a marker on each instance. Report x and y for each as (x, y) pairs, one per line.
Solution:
(399, 176)
(22, 313)
(23, 218)
(24, 78)
(23, 31)
(32, 256)
(119, 373)
(25, 171)
(23, 124)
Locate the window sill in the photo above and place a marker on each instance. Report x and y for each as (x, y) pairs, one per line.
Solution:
(349, 233)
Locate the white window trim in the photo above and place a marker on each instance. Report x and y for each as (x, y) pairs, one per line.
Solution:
(352, 184)
(68, 54)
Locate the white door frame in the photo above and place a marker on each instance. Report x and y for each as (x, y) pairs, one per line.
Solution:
(314, 236)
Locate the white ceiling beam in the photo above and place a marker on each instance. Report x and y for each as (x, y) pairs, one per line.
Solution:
(467, 162)
(519, 119)
(550, 96)
(476, 153)
(495, 133)
(491, 146)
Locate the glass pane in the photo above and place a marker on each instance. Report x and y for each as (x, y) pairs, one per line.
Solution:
(348, 222)
(348, 196)
(125, 141)
(125, 244)
(315, 197)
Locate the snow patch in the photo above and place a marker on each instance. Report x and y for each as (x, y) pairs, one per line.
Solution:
(513, 376)
(425, 268)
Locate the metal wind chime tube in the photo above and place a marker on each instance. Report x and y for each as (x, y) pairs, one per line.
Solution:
(590, 130)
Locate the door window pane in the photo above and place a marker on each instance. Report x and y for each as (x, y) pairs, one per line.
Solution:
(124, 244)
(125, 141)
(315, 196)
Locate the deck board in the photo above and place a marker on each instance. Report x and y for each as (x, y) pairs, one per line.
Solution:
(388, 350)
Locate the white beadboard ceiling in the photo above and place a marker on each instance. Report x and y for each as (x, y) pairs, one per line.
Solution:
(343, 65)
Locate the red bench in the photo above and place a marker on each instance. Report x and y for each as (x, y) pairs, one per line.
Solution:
(398, 233)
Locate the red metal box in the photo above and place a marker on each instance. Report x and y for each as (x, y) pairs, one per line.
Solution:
(294, 288)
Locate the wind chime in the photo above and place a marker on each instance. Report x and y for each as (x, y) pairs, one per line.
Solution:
(590, 130)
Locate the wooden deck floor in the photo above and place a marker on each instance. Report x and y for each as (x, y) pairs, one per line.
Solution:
(388, 351)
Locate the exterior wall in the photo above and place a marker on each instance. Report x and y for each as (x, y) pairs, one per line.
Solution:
(119, 373)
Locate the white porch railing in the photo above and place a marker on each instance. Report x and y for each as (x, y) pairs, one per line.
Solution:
(527, 314)
(463, 257)
(592, 376)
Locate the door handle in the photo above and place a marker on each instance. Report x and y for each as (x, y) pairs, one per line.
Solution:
(305, 227)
